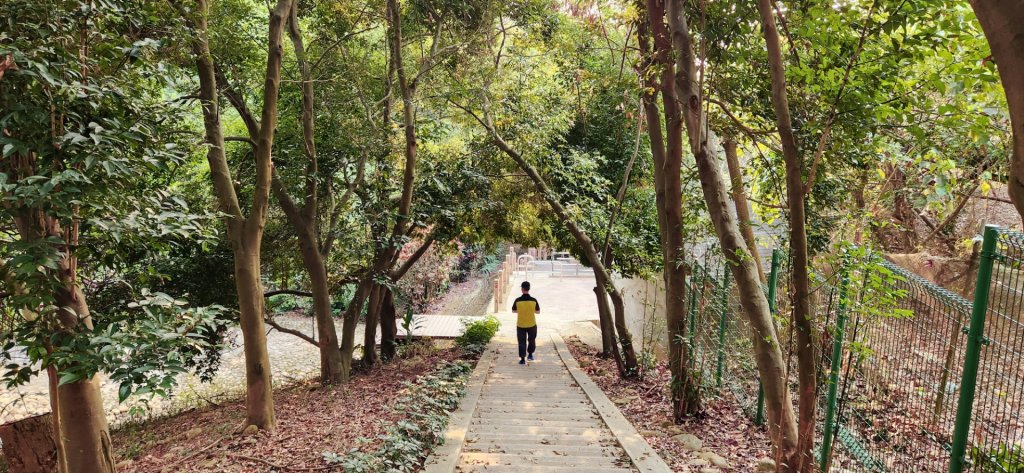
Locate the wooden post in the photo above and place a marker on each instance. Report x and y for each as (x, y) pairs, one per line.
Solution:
(29, 445)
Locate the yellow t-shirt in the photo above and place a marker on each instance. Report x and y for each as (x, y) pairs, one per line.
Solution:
(526, 307)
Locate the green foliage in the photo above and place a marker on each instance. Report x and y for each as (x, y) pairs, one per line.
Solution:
(1001, 458)
(411, 322)
(142, 349)
(281, 303)
(425, 410)
(477, 334)
(90, 143)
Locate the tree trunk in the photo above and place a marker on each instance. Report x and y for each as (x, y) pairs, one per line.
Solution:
(807, 374)
(83, 433)
(770, 363)
(79, 422)
(348, 328)
(685, 392)
(259, 390)
(62, 458)
(739, 199)
(629, 363)
(29, 445)
(388, 326)
(1003, 24)
(370, 333)
(330, 354)
(245, 232)
(604, 315)
(305, 220)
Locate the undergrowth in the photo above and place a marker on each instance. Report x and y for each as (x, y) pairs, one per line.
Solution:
(407, 443)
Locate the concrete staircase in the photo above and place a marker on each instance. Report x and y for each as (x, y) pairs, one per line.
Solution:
(537, 418)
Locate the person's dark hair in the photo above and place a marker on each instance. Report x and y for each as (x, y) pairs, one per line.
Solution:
(525, 285)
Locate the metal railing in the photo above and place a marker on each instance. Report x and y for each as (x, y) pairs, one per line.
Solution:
(913, 377)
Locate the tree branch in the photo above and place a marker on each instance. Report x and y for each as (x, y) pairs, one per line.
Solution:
(269, 321)
(292, 292)
(400, 272)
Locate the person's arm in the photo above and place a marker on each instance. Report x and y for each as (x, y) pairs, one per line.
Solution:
(536, 306)
(514, 305)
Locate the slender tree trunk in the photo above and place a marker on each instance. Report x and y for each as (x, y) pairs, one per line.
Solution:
(388, 326)
(1003, 24)
(604, 315)
(372, 321)
(583, 240)
(629, 362)
(739, 199)
(245, 232)
(686, 392)
(53, 381)
(807, 373)
(348, 329)
(327, 334)
(305, 220)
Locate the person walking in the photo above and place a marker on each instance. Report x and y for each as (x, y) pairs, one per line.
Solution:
(526, 309)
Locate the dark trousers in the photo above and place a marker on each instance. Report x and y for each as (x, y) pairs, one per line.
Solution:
(524, 334)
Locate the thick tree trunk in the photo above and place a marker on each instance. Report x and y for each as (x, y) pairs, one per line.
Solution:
(29, 445)
(807, 374)
(259, 390)
(739, 199)
(79, 421)
(84, 433)
(1003, 24)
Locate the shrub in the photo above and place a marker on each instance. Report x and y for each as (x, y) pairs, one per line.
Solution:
(477, 334)
(407, 443)
(1002, 458)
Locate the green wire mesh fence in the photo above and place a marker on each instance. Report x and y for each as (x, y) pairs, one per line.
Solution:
(913, 377)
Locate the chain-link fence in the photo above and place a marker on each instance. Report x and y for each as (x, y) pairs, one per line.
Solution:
(913, 377)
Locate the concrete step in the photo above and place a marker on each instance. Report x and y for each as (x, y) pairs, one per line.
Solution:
(583, 463)
(521, 403)
(536, 469)
(580, 423)
(545, 414)
(535, 430)
(534, 449)
(603, 439)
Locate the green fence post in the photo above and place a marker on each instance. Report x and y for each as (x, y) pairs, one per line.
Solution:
(972, 356)
(722, 323)
(773, 280)
(833, 378)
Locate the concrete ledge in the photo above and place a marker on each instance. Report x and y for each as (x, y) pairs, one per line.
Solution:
(446, 456)
(640, 452)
